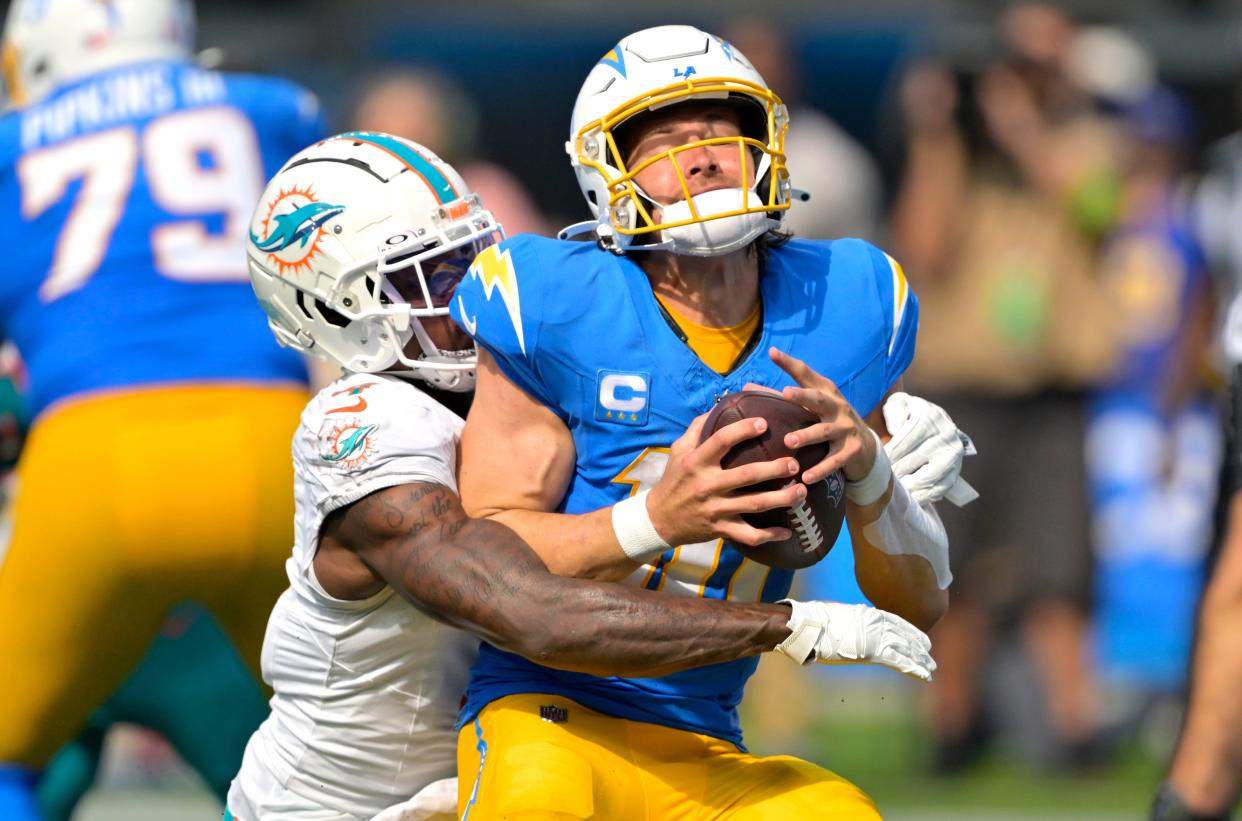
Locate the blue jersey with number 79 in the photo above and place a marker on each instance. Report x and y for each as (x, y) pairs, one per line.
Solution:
(126, 199)
(579, 330)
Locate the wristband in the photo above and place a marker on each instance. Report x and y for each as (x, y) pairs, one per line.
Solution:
(637, 535)
(872, 486)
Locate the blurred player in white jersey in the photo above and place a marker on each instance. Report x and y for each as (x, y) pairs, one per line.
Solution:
(355, 249)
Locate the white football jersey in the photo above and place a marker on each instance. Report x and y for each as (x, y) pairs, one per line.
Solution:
(366, 692)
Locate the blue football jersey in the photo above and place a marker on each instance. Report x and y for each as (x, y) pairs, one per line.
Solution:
(580, 330)
(1160, 269)
(128, 195)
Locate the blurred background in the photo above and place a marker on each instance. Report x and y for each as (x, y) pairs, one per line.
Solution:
(1060, 183)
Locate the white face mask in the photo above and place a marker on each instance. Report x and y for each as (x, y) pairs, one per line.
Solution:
(713, 237)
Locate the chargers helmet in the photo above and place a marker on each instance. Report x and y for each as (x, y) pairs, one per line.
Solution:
(48, 43)
(647, 71)
(355, 241)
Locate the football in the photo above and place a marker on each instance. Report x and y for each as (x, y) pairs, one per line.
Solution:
(816, 521)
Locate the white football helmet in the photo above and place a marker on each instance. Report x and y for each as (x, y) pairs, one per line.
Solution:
(48, 43)
(649, 70)
(356, 240)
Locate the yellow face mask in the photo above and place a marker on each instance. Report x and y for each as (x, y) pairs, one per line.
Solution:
(595, 146)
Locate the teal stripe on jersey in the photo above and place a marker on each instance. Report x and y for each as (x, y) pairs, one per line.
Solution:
(436, 181)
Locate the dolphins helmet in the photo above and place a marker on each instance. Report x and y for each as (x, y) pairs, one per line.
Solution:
(647, 71)
(355, 242)
(48, 43)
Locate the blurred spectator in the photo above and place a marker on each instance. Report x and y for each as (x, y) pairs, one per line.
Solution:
(1154, 439)
(432, 110)
(823, 159)
(997, 232)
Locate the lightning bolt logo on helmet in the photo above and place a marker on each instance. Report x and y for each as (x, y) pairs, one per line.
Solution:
(292, 227)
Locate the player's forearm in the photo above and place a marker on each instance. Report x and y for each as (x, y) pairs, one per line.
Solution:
(1207, 765)
(480, 576)
(901, 584)
(581, 546)
(615, 630)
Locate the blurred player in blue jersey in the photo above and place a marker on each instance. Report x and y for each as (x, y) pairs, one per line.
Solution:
(598, 362)
(191, 686)
(157, 465)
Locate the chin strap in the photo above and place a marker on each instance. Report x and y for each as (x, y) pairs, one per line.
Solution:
(714, 234)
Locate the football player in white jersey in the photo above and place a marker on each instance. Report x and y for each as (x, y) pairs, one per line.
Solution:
(354, 252)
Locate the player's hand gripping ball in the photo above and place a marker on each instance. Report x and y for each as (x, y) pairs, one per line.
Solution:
(816, 521)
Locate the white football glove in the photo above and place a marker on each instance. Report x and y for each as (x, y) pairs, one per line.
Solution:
(435, 802)
(834, 633)
(926, 450)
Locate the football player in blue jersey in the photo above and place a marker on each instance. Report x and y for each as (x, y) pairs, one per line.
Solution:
(366, 686)
(157, 465)
(598, 363)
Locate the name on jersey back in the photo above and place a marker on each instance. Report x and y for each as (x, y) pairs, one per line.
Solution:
(121, 96)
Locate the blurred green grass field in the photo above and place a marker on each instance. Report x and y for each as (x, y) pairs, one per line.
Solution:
(868, 731)
(999, 789)
(887, 758)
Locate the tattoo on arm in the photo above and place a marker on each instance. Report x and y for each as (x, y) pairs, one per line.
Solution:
(478, 575)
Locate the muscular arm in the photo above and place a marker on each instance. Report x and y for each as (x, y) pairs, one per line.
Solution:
(478, 575)
(517, 458)
(1207, 766)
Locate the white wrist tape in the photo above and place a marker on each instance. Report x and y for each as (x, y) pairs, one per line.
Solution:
(637, 535)
(906, 528)
(872, 486)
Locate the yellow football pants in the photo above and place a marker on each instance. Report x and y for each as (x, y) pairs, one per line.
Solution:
(546, 758)
(125, 505)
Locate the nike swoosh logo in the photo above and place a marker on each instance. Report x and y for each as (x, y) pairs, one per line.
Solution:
(360, 405)
(357, 408)
(471, 322)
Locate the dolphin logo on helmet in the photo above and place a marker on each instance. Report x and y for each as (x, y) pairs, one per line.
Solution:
(298, 224)
(355, 244)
